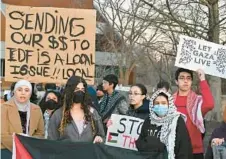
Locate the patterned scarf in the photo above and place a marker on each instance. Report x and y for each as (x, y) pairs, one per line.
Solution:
(194, 104)
(112, 99)
(168, 123)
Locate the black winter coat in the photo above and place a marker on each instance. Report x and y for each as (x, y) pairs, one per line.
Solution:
(149, 139)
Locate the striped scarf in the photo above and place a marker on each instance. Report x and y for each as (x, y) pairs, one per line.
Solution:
(108, 102)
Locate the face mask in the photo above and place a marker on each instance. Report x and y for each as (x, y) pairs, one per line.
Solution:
(160, 110)
(78, 97)
(51, 104)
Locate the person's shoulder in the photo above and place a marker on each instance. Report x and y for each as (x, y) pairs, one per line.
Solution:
(180, 122)
(57, 113)
(7, 104)
(94, 113)
(181, 119)
(93, 110)
(147, 120)
(120, 95)
(34, 106)
(59, 110)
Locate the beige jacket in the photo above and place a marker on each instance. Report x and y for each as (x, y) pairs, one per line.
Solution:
(11, 123)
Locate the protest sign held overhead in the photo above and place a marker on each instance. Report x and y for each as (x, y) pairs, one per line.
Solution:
(194, 54)
(124, 131)
(45, 44)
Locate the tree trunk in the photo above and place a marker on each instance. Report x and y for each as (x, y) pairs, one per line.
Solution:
(215, 82)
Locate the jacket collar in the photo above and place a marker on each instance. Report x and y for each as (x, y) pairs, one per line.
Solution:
(14, 117)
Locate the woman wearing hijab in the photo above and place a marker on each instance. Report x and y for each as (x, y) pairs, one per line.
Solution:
(76, 120)
(165, 130)
(217, 138)
(18, 115)
(50, 103)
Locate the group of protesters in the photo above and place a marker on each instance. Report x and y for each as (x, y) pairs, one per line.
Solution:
(174, 124)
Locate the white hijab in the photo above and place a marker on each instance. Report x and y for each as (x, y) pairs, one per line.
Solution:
(24, 107)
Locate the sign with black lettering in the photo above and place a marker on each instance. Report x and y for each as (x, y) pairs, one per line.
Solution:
(45, 44)
(124, 131)
(194, 54)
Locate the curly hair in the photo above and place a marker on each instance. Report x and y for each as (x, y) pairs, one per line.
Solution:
(68, 95)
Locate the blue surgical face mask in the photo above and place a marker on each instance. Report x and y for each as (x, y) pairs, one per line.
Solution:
(160, 110)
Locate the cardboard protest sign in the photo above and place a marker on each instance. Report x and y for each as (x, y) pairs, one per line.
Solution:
(45, 44)
(124, 131)
(195, 53)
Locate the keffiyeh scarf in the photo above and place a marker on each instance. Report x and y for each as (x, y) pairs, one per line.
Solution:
(168, 123)
(194, 104)
(108, 102)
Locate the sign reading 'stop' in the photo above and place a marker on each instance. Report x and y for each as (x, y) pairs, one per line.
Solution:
(46, 44)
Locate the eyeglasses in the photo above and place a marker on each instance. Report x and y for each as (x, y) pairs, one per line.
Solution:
(135, 94)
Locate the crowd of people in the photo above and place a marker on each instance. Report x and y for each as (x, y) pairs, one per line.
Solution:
(173, 123)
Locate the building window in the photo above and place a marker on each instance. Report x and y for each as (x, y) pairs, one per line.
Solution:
(2, 72)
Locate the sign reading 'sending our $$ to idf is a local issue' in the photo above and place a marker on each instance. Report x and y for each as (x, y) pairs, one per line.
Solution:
(124, 131)
(45, 44)
(195, 53)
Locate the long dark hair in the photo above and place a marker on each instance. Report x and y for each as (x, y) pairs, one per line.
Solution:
(68, 95)
(42, 102)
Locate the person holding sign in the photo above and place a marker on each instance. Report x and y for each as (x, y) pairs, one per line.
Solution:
(165, 130)
(76, 121)
(19, 115)
(188, 102)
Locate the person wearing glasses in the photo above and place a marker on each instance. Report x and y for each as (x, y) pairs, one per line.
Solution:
(193, 106)
(139, 105)
(76, 120)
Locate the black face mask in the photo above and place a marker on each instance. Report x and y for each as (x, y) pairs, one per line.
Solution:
(51, 104)
(78, 97)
